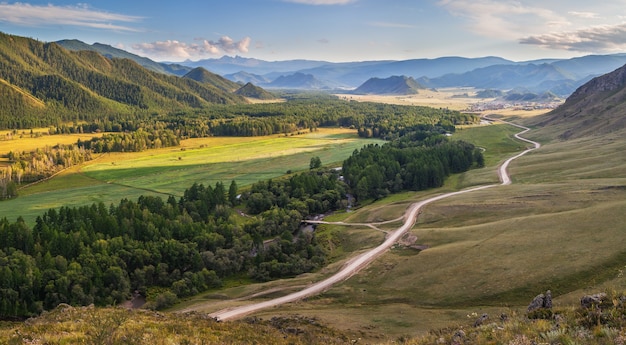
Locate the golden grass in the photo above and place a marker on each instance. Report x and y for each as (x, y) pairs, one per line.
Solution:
(168, 171)
(517, 113)
(68, 325)
(23, 141)
(223, 149)
(453, 98)
(265, 101)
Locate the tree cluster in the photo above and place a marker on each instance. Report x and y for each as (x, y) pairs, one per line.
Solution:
(98, 254)
(418, 160)
(136, 141)
(44, 162)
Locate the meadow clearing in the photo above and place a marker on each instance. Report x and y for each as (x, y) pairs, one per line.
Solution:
(30, 140)
(169, 171)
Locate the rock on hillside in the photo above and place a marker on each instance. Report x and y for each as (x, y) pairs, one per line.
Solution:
(394, 85)
(595, 108)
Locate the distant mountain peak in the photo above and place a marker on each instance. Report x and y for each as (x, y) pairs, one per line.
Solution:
(201, 75)
(252, 91)
(298, 80)
(394, 85)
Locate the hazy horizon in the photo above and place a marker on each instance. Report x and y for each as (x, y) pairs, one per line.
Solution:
(329, 30)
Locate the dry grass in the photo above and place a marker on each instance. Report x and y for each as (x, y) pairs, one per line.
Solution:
(265, 101)
(453, 98)
(23, 141)
(109, 326)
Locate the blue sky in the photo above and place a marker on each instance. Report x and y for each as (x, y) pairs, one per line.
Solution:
(331, 30)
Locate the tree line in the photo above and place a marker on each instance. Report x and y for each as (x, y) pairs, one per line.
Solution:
(142, 131)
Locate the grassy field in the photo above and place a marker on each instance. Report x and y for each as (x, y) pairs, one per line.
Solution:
(23, 140)
(170, 171)
(210, 160)
(451, 98)
(559, 226)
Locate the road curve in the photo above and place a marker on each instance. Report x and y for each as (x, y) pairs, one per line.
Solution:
(366, 258)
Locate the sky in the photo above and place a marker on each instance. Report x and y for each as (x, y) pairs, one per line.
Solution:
(329, 30)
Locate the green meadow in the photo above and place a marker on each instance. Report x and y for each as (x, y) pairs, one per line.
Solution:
(170, 171)
(559, 226)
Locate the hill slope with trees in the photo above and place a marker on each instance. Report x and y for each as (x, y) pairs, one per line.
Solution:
(111, 52)
(43, 83)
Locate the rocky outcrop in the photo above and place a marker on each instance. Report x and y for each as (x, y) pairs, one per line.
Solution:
(589, 301)
(540, 301)
(480, 320)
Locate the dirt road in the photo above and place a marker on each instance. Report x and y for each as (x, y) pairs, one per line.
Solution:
(360, 262)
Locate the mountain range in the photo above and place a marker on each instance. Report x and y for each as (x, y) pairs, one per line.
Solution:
(595, 108)
(559, 76)
(39, 81)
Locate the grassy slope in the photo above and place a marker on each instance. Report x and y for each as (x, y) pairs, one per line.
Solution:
(559, 226)
(67, 325)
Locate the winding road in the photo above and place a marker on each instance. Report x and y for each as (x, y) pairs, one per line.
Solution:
(363, 260)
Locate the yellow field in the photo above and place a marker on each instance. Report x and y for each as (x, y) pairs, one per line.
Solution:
(518, 113)
(455, 99)
(264, 101)
(23, 141)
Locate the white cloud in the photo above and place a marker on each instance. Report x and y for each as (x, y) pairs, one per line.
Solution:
(503, 19)
(172, 49)
(605, 38)
(321, 2)
(584, 15)
(38, 15)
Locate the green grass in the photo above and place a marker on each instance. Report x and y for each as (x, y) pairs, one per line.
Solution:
(245, 162)
(496, 139)
(560, 226)
(113, 177)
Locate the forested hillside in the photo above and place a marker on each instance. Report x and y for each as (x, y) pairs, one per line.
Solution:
(42, 84)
